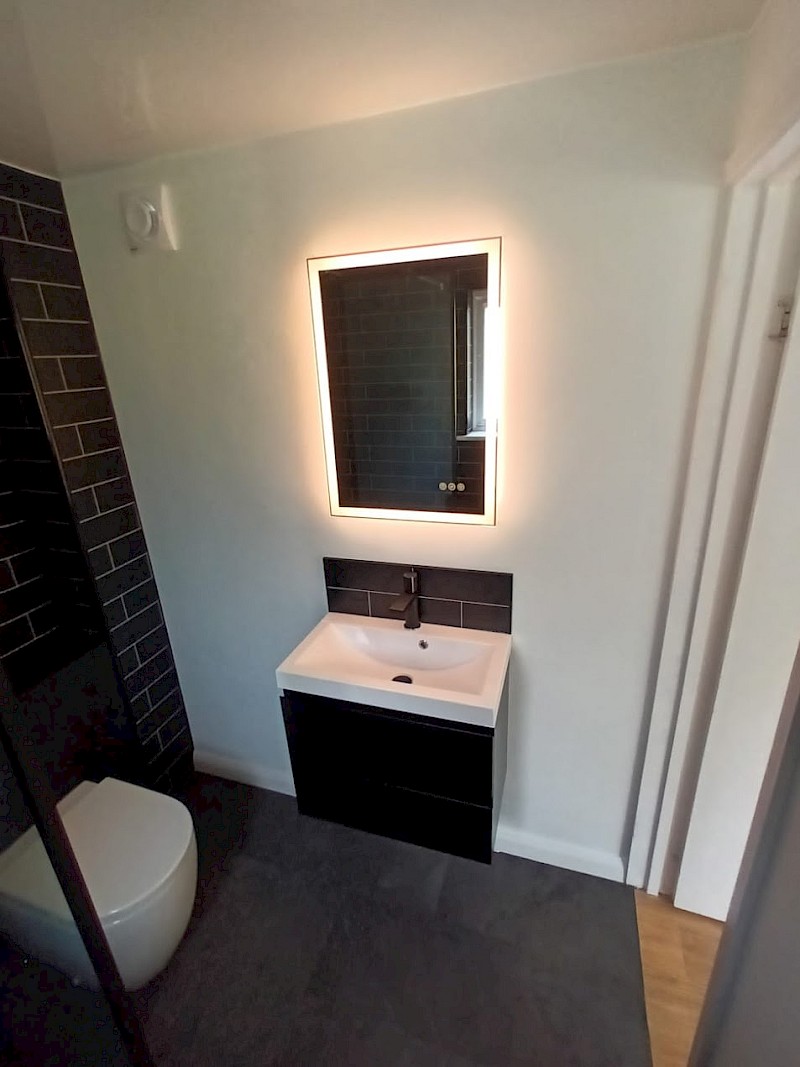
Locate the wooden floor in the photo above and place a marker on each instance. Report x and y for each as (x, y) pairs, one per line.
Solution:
(678, 950)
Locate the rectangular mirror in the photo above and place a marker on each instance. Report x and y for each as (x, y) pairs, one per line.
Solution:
(407, 361)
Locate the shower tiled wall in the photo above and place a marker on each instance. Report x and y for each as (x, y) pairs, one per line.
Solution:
(48, 612)
(45, 284)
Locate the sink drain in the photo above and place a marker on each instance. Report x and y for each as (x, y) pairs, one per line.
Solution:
(403, 678)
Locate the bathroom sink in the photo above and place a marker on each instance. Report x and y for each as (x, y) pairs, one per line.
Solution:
(439, 671)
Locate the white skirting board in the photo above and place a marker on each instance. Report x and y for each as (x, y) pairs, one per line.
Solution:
(529, 846)
(238, 770)
(512, 841)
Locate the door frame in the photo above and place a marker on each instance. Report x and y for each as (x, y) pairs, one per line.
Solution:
(714, 509)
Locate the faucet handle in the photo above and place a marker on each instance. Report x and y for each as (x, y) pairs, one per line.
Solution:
(411, 578)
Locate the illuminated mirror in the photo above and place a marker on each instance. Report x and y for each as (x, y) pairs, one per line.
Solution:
(407, 360)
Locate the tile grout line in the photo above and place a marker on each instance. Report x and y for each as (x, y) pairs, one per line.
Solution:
(39, 244)
(441, 599)
(31, 203)
(42, 281)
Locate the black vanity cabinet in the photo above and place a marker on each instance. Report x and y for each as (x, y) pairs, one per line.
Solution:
(429, 781)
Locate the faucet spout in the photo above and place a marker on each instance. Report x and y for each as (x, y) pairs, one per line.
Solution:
(407, 605)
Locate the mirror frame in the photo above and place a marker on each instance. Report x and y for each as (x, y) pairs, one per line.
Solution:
(491, 375)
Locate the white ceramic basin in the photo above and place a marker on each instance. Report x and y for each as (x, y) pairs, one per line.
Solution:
(456, 674)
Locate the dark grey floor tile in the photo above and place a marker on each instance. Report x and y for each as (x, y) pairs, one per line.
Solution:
(546, 909)
(411, 878)
(312, 943)
(236, 980)
(353, 1041)
(445, 985)
(333, 857)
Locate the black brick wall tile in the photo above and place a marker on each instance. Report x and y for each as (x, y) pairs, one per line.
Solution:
(151, 644)
(123, 579)
(109, 525)
(10, 222)
(66, 409)
(46, 618)
(487, 617)
(83, 372)
(140, 597)
(14, 634)
(48, 373)
(379, 605)
(33, 188)
(348, 601)
(100, 560)
(147, 727)
(128, 660)
(150, 673)
(482, 587)
(27, 300)
(362, 574)
(14, 539)
(440, 612)
(46, 227)
(84, 504)
(6, 576)
(166, 708)
(64, 303)
(158, 690)
(60, 339)
(152, 747)
(98, 436)
(141, 707)
(171, 728)
(176, 756)
(11, 510)
(129, 547)
(27, 565)
(135, 629)
(34, 263)
(114, 494)
(18, 601)
(88, 470)
(67, 442)
(114, 612)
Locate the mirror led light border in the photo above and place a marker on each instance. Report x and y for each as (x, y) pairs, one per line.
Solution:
(491, 374)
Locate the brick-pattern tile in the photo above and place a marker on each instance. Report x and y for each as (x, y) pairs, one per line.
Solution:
(478, 600)
(47, 611)
(46, 287)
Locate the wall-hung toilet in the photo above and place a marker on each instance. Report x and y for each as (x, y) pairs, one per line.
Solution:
(138, 855)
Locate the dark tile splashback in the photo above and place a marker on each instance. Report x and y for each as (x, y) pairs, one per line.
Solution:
(479, 600)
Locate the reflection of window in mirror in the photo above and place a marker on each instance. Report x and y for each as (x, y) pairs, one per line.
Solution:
(476, 419)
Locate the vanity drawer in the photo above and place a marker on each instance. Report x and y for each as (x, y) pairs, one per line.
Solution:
(337, 742)
(405, 815)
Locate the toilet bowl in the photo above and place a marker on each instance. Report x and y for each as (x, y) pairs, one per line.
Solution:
(138, 856)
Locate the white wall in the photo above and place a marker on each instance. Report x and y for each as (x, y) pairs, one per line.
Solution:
(770, 104)
(604, 187)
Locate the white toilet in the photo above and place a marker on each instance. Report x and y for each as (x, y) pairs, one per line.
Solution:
(138, 855)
